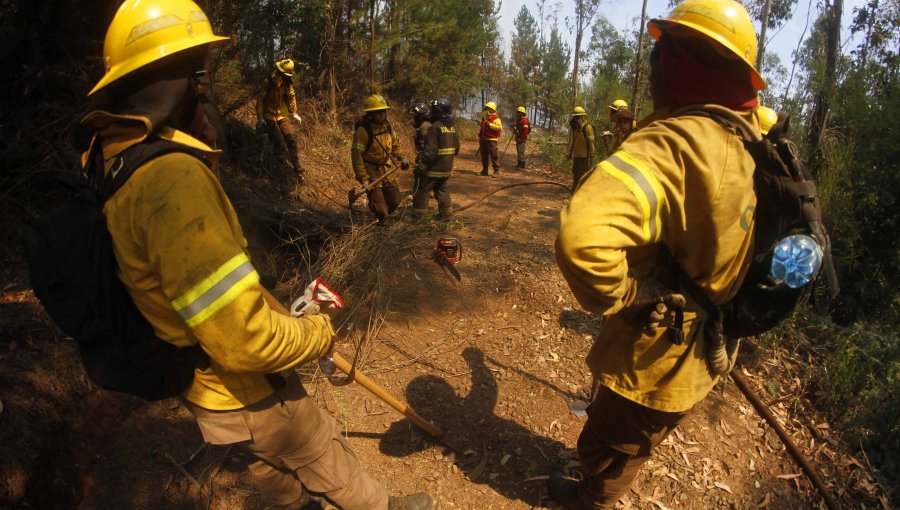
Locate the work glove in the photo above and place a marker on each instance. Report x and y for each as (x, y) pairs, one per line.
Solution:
(404, 163)
(569, 156)
(261, 125)
(364, 181)
(298, 119)
(604, 134)
(651, 303)
(317, 298)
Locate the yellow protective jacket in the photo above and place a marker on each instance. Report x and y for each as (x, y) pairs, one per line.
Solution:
(371, 159)
(581, 140)
(276, 99)
(680, 183)
(182, 257)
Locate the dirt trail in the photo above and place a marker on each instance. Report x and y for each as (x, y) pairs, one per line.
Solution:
(495, 360)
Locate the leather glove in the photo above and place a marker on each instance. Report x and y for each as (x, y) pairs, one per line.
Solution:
(652, 302)
(317, 298)
(298, 119)
(261, 125)
(404, 163)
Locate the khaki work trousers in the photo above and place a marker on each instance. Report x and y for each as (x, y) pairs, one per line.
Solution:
(617, 439)
(520, 153)
(580, 166)
(489, 153)
(281, 134)
(296, 445)
(425, 186)
(383, 200)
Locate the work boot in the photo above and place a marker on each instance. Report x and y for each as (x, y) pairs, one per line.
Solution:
(565, 492)
(417, 501)
(484, 172)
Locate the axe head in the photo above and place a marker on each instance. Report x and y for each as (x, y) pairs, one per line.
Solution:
(353, 195)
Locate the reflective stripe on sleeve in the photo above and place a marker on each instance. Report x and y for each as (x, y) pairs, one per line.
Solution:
(447, 152)
(216, 291)
(645, 187)
(361, 147)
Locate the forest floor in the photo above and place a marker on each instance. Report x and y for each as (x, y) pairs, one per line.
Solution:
(496, 360)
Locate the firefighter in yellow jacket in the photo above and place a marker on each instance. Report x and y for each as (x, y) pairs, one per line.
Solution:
(581, 148)
(183, 259)
(678, 191)
(375, 151)
(276, 111)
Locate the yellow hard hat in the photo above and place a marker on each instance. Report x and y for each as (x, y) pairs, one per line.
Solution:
(374, 103)
(724, 21)
(617, 104)
(491, 105)
(578, 111)
(286, 66)
(767, 118)
(144, 31)
(521, 109)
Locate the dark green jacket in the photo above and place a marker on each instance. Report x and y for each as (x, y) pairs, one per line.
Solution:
(441, 146)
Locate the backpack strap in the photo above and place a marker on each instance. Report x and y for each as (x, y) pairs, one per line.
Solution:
(131, 159)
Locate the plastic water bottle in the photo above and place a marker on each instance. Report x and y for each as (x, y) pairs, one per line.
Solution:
(796, 260)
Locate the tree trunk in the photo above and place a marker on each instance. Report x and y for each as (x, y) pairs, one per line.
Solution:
(579, 32)
(760, 55)
(635, 100)
(372, 45)
(821, 106)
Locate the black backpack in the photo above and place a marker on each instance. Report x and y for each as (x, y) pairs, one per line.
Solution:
(787, 203)
(73, 273)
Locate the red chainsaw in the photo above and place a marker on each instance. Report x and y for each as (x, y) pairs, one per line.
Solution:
(447, 252)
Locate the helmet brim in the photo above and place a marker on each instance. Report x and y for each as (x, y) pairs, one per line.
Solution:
(656, 27)
(153, 55)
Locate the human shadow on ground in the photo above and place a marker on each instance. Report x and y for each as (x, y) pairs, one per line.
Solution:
(496, 451)
(582, 322)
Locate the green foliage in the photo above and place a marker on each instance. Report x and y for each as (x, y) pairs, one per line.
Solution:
(555, 153)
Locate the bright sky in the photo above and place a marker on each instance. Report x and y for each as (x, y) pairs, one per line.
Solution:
(626, 14)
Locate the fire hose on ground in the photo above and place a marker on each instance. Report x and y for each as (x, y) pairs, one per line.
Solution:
(795, 452)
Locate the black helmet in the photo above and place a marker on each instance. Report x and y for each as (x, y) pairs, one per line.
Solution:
(441, 107)
(420, 112)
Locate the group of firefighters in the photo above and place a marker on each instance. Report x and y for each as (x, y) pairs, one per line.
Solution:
(677, 191)
(375, 151)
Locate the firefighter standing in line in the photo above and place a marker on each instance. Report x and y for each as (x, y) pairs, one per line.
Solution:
(623, 125)
(488, 138)
(183, 259)
(678, 191)
(276, 109)
(581, 148)
(436, 162)
(522, 131)
(421, 122)
(373, 153)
